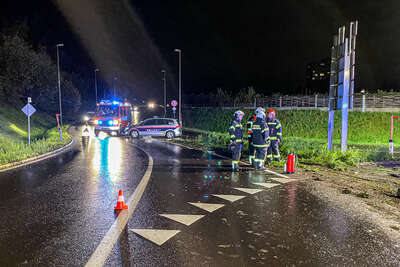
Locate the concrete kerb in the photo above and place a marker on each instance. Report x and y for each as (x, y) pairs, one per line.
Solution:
(25, 162)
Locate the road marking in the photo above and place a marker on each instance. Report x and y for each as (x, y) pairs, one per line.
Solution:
(102, 251)
(156, 236)
(207, 206)
(267, 185)
(231, 198)
(248, 190)
(183, 218)
(282, 180)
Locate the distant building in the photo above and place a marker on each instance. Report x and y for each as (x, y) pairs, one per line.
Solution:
(318, 76)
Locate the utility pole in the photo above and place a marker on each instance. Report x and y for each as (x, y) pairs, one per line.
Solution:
(165, 93)
(114, 79)
(95, 83)
(59, 82)
(180, 84)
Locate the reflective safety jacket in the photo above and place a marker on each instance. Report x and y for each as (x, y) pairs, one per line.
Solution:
(249, 126)
(260, 133)
(236, 131)
(275, 129)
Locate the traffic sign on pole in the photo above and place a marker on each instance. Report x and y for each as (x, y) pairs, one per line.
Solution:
(28, 109)
(174, 103)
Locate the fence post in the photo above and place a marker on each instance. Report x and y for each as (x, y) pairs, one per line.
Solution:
(363, 103)
(280, 101)
(316, 101)
(255, 102)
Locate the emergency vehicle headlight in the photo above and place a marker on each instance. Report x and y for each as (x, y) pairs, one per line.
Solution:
(115, 122)
(110, 122)
(96, 122)
(100, 122)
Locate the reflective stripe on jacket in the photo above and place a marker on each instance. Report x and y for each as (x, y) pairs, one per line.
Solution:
(275, 129)
(236, 131)
(260, 133)
(249, 126)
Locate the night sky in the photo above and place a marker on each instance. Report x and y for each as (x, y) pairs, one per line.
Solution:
(266, 44)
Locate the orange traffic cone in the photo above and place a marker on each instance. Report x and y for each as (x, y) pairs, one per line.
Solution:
(120, 202)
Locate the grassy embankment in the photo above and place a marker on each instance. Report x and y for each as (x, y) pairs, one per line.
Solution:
(305, 132)
(14, 135)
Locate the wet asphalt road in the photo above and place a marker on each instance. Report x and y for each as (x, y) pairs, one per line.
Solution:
(56, 212)
(281, 226)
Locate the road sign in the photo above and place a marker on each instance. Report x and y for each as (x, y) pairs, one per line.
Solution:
(28, 110)
(174, 103)
(29, 100)
(174, 108)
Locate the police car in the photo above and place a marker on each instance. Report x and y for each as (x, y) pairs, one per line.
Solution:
(167, 127)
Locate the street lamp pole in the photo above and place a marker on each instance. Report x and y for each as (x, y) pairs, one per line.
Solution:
(115, 78)
(95, 82)
(180, 84)
(59, 82)
(165, 93)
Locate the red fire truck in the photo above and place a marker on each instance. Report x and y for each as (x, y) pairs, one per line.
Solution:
(112, 117)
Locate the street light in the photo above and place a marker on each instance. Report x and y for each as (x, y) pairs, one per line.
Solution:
(115, 78)
(95, 82)
(59, 82)
(165, 93)
(180, 84)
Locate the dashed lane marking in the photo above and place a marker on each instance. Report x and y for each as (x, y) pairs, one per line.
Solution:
(156, 236)
(231, 198)
(267, 185)
(248, 190)
(183, 218)
(207, 206)
(283, 180)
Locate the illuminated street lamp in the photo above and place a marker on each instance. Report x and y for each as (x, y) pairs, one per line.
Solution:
(151, 105)
(59, 82)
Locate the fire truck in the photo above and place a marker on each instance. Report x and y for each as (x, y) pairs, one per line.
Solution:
(112, 117)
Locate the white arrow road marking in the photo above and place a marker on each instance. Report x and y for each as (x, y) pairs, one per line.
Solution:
(206, 206)
(156, 236)
(267, 185)
(231, 198)
(283, 180)
(183, 218)
(248, 190)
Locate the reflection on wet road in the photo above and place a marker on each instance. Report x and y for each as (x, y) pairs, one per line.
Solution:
(196, 212)
(56, 212)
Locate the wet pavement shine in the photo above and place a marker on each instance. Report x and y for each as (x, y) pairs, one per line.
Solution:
(194, 212)
(282, 225)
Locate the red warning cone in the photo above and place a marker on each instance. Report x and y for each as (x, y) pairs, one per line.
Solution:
(120, 202)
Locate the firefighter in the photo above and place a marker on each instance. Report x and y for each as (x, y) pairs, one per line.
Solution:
(275, 133)
(249, 135)
(236, 134)
(260, 136)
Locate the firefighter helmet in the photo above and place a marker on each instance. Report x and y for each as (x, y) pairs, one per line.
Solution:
(238, 113)
(271, 111)
(260, 109)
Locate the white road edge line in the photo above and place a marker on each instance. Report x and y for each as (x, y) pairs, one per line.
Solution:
(106, 245)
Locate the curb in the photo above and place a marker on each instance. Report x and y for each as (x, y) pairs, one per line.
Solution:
(14, 165)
